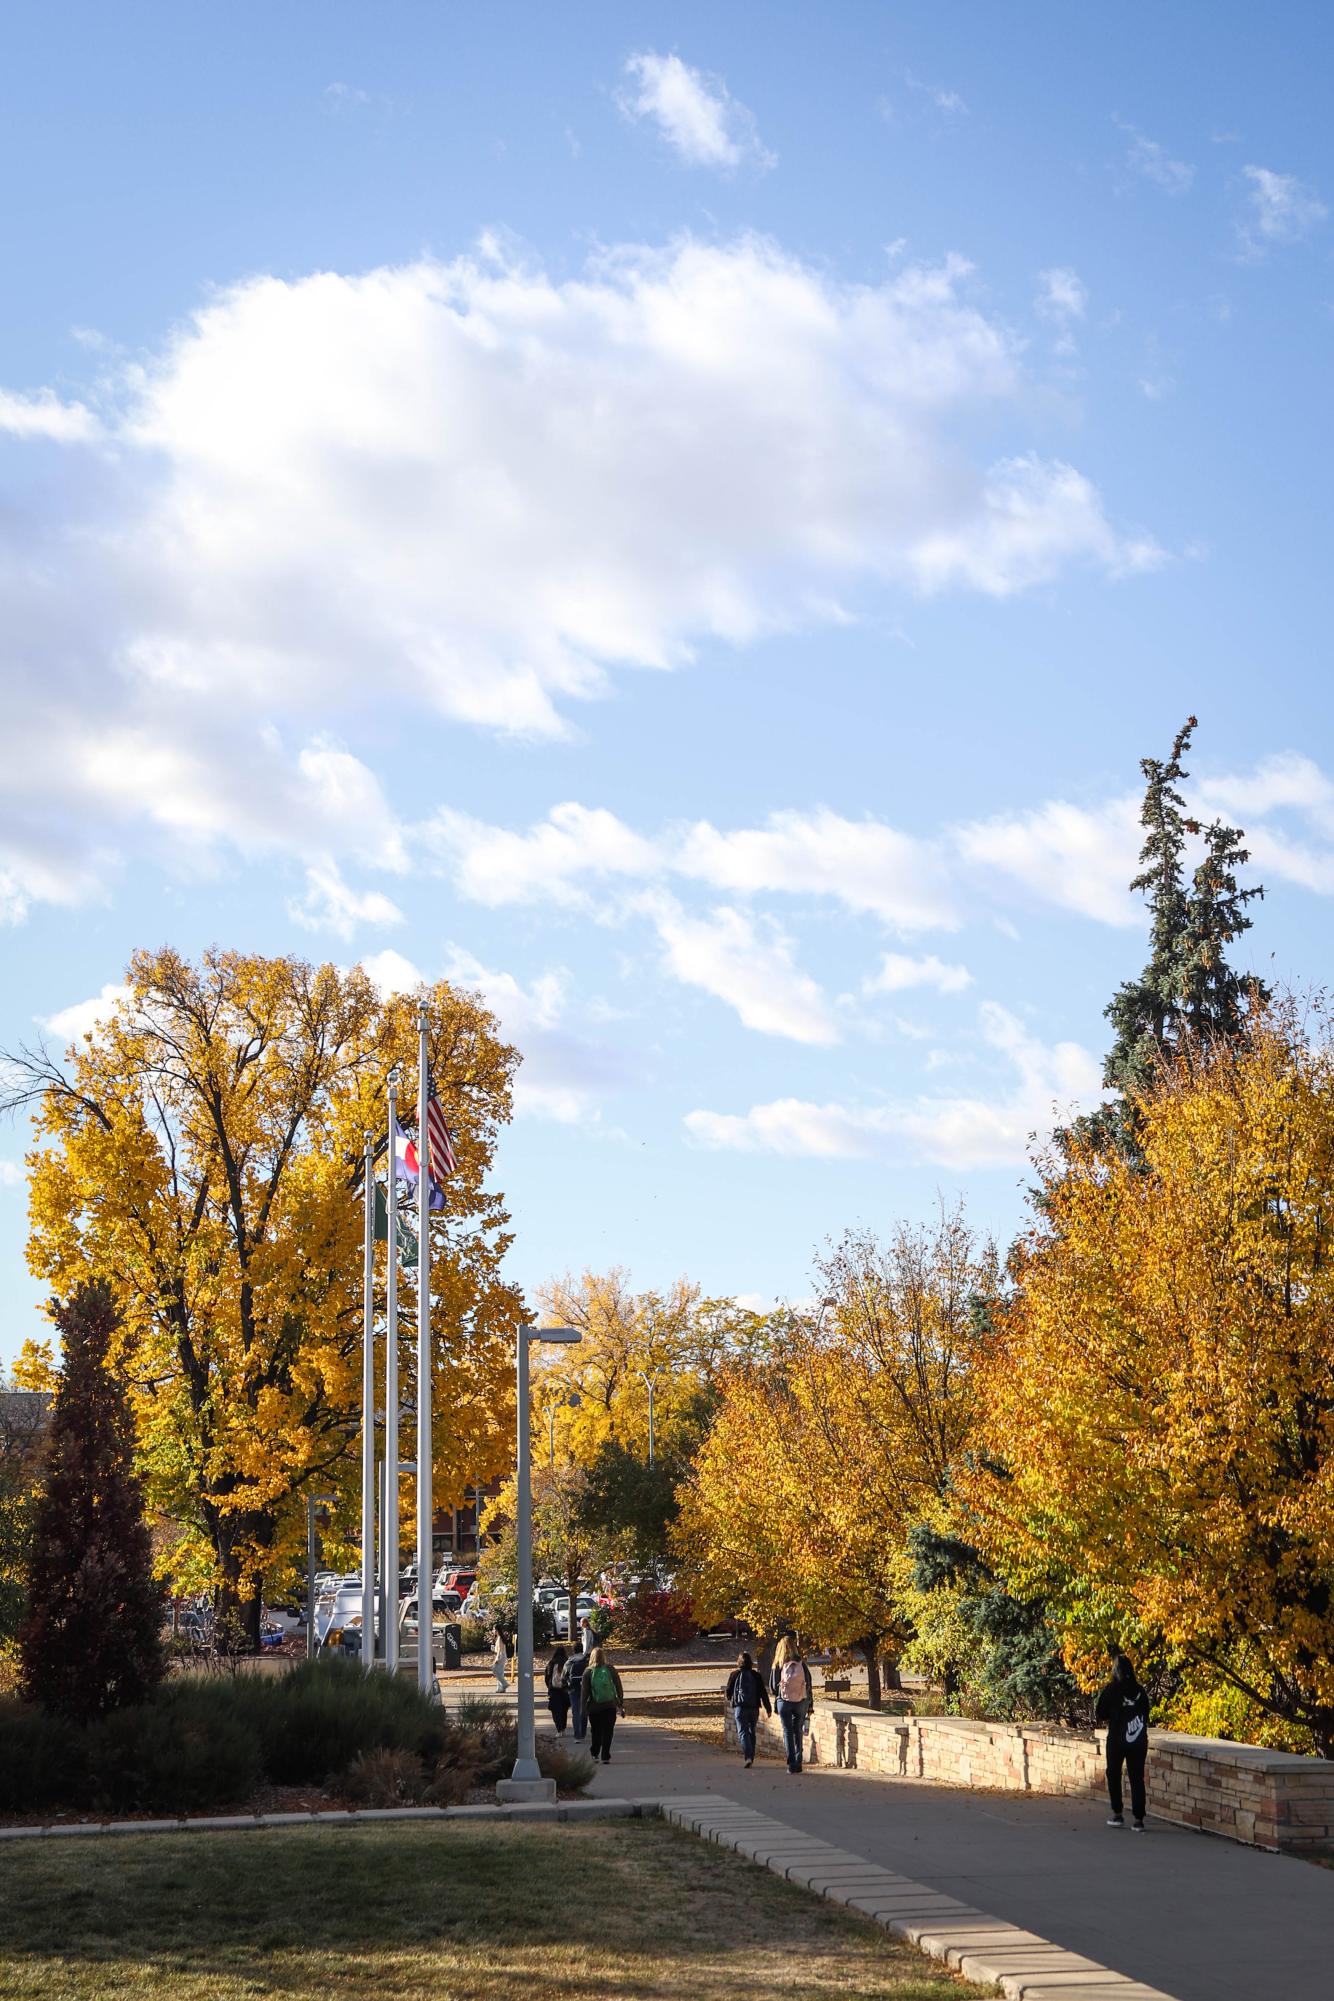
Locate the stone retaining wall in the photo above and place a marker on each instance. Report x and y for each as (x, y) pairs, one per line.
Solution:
(1271, 1799)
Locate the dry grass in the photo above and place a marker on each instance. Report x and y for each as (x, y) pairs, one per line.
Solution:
(624, 1911)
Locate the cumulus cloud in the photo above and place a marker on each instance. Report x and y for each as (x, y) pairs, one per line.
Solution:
(959, 1132)
(73, 1023)
(1063, 300)
(470, 489)
(1079, 858)
(898, 974)
(43, 415)
(696, 114)
(12, 1174)
(1279, 209)
(553, 862)
(748, 965)
(1152, 162)
(331, 904)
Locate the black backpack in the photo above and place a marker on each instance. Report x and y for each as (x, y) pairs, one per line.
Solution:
(746, 1689)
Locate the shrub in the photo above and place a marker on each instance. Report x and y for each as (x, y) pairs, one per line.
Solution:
(384, 1778)
(656, 1619)
(326, 1712)
(42, 1762)
(572, 1770)
(474, 1637)
(171, 1757)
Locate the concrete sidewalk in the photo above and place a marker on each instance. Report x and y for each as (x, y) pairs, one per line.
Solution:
(1200, 1918)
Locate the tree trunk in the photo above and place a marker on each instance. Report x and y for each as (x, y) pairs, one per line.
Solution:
(870, 1650)
(893, 1679)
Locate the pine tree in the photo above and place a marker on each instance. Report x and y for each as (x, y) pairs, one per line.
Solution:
(1187, 987)
(92, 1639)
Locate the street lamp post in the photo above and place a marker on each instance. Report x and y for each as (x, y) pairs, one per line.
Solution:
(651, 1383)
(313, 1501)
(526, 1781)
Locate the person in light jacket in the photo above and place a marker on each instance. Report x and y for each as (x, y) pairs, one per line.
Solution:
(500, 1660)
(794, 1692)
(746, 1694)
(1124, 1707)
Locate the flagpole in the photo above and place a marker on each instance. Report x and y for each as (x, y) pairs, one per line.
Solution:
(425, 1470)
(389, 1533)
(368, 1413)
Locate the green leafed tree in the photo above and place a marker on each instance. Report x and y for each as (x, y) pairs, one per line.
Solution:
(1187, 987)
(91, 1640)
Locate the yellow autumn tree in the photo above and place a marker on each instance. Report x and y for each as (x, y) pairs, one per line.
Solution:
(195, 1150)
(822, 1457)
(1159, 1403)
(598, 1390)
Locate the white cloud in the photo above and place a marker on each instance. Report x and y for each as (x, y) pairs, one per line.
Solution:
(1152, 162)
(390, 973)
(550, 863)
(957, 1132)
(696, 114)
(330, 904)
(898, 973)
(1287, 782)
(564, 1073)
(461, 488)
(45, 416)
(1279, 209)
(748, 965)
(1036, 517)
(1079, 858)
(1063, 299)
(71, 1024)
(868, 867)
(12, 1174)
(937, 95)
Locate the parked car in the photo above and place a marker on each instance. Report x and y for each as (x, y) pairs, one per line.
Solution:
(453, 1579)
(585, 1607)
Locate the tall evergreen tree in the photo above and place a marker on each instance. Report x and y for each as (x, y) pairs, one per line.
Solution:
(1187, 986)
(92, 1638)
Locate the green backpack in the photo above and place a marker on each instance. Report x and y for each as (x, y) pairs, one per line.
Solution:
(603, 1685)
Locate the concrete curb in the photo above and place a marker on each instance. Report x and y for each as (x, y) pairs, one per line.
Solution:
(596, 1809)
(1018, 1963)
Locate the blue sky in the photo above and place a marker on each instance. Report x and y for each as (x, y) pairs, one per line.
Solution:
(684, 519)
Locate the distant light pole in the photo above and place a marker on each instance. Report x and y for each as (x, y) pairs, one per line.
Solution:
(651, 1383)
(825, 1305)
(525, 1781)
(313, 1501)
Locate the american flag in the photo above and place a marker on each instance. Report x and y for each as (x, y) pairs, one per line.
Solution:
(439, 1142)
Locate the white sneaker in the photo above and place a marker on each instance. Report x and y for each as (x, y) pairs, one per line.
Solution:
(1116, 1820)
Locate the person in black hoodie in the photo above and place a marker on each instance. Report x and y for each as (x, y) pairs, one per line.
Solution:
(1124, 1707)
(745, 1694)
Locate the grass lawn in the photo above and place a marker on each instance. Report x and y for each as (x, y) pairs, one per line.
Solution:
(456, 1913)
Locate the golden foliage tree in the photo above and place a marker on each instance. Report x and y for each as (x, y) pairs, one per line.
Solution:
(1159, 1403)
(586, 1394)
(193, 1150)
(821, 1458)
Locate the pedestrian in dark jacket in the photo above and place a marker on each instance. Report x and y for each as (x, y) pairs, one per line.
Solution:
(1124, 1707)
(747, 1694)
(604, 1699)
(558, 1694)
(794, 1692)
(574, 1682)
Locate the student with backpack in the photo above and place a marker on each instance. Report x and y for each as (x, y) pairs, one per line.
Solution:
(603, 1699)
(745, 1694)
(558, 1693)
(575, 1669)
(1124, 1707)
(795, 1694)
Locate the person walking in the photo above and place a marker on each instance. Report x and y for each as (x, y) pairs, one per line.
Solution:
(576, 1667)
(500, 1660)
(604, 1697)
(558, 1694)
(746, 1693)
(1124, 1707)
(794, 1693)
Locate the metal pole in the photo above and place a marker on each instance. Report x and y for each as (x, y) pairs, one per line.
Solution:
(551, 1439)
(368, 1415)
(390, 1531)
(381, 1597)
(526, 1767)
(310, 1578)
(425, 1470)
(652, 1382)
